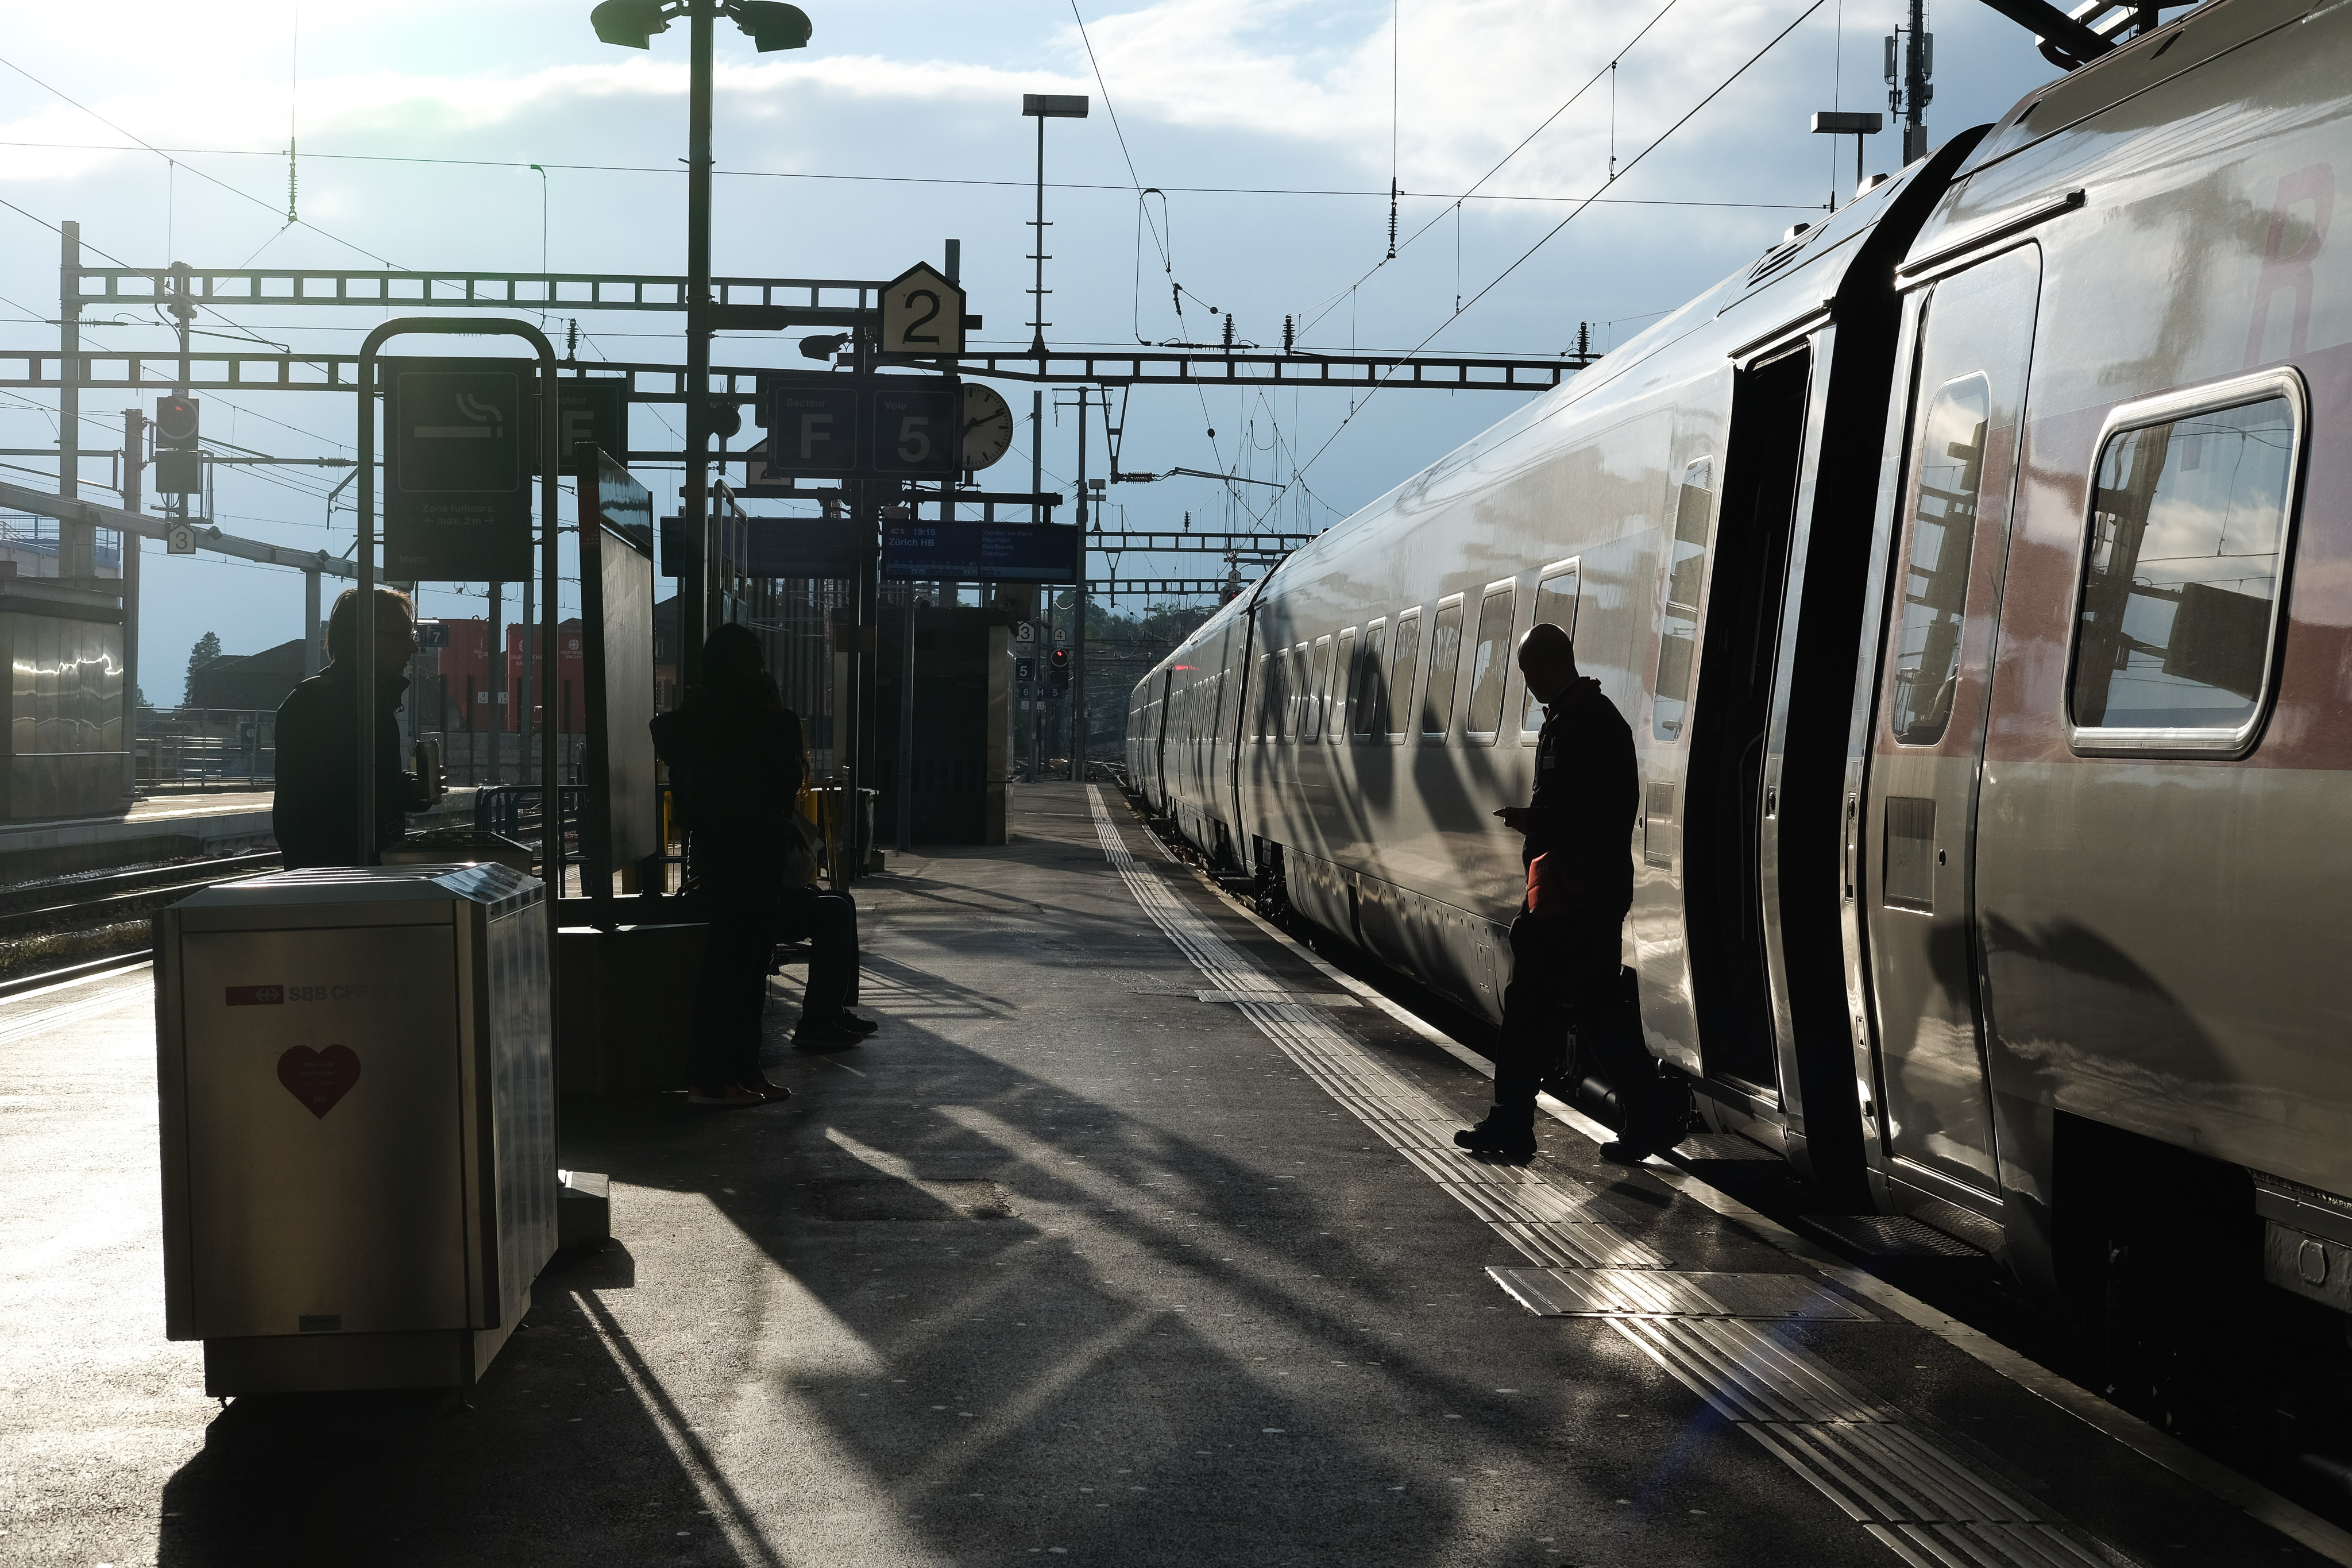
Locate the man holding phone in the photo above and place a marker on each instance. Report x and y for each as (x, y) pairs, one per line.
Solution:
(1566, 944)
(318, 743)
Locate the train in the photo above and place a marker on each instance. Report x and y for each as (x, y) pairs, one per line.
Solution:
(1973, 568)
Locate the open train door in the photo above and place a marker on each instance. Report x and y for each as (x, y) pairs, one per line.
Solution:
(1911, 828)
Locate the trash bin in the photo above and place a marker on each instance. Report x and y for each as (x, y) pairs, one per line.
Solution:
(357, 1124)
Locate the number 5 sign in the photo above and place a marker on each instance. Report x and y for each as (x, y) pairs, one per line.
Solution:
(922, 313)
(917, 433)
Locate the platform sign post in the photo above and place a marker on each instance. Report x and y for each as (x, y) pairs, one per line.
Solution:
(813, 431)
(457, 494)
(922, 313)
(916, 431)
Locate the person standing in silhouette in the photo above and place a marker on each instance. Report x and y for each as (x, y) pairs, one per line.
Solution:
(315, 813)
(1566, 944)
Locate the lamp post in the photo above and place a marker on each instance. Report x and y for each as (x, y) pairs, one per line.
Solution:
(1847, 122)
(1042, 107)
(631, 24)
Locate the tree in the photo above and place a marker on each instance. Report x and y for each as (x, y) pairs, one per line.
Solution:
(207, 649)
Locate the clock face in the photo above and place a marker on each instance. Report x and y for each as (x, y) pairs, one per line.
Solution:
(987, 426)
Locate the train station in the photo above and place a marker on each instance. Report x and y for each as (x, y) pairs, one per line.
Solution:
(776, 925)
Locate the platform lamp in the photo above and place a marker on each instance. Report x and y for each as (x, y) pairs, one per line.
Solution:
(1848, 122)
(1042, 107)
(631, 24)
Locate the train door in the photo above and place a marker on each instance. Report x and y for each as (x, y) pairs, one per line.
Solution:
(1164, 705)
(1723, 804)
(1914, 847)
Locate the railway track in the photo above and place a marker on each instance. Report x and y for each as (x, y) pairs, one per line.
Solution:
(118, 896)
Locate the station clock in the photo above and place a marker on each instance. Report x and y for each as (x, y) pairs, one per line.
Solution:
(987, 426)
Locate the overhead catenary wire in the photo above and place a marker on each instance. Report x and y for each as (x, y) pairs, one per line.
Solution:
(1333, 190)
(1524, 257)
(160, 152)
(1609, 70)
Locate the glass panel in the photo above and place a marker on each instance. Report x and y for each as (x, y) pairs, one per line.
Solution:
(1396, 700)
(1269, 699)
(1556, 604)
(1343, 681)
(1311, 721)
(1949, 468)
(1445, 669)
(1490, 663)
(1685, 577)
(1297, 692)
(1371, 684)
(2183, 569)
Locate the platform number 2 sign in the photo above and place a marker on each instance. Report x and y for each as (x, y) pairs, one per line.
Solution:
(922, 313)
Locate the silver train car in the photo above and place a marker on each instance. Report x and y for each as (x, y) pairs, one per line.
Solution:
(1975, 572)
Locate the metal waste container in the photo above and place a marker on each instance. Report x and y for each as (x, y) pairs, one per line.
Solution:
(357, 1121)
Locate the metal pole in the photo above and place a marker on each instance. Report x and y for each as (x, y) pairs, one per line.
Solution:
(1915, 90)
(363, 650)
(523, 714)
(1037, 327)
(494, 672)
(69, 364)
(134, 445)
(694, 527)
(1078, 637)
(310, 621)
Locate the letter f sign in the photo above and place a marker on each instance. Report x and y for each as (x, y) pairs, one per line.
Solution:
(815, 428)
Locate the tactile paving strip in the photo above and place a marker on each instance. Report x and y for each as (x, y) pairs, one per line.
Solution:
(1649, 1293)
(1916, 1493)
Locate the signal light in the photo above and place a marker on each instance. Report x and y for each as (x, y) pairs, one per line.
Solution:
(1058, 659)
(175, 421)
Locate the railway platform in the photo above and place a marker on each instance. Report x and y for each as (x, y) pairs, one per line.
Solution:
(1135, 1236)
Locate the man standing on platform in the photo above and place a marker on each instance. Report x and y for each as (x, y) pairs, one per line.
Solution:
(315, 814)
(1566, 946)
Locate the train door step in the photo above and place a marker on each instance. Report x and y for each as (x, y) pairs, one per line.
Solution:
(1660, 1293)
(1892, 1239)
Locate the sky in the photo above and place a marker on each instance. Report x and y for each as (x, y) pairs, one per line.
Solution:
(1246, 155)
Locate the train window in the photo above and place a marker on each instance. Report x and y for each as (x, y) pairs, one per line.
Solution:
(1343, 681)
(2177, 603)
(1396, 702)
(1445, 669)
(1299, 691)
(1371, 684)
(1948, 468)
(1269, 703)
(1318, 683)
(1490, 664)
(1685, 578)
(1555, 594)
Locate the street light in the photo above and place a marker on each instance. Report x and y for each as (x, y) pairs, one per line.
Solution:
(1847, 122)
(631, 24)
(1044, 106)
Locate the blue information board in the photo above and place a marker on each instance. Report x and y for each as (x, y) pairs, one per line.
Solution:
(1048, 553)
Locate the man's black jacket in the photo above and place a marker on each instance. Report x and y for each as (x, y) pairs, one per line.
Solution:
(1587, 789)
(316, 813)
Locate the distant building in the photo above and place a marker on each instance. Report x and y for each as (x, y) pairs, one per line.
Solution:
(258, 680)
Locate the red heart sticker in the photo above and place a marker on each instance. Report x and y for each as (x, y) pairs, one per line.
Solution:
(319, 1079)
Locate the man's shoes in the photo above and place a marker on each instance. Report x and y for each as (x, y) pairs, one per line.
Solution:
(734, 1097)
(852, 1022)
(770, 1092)
(1512, 1140)
(1632, 1147)
(824, 1035)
